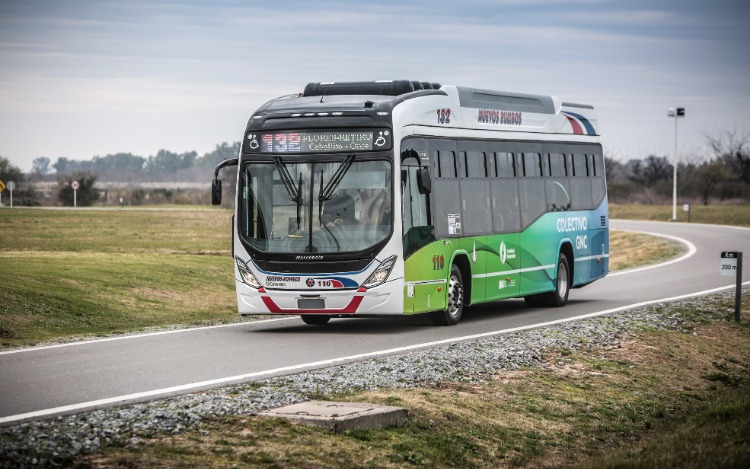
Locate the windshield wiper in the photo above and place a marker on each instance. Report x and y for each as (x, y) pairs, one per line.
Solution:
(286, 178)
(295, 193)
(327, 192)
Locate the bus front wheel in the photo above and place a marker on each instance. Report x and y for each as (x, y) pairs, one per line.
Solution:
(454, 311)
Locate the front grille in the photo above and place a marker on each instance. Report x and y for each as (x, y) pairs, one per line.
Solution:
(318, 267)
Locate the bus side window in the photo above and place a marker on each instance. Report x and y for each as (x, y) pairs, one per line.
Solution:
(580, 184)
(532, 165)
(447, 164)
(598, 185)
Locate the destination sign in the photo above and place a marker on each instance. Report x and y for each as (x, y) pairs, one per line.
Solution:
(317, 142)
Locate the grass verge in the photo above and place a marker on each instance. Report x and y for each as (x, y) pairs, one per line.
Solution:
(92, 273)
(79, 273)
(736, 215)
(657, 399)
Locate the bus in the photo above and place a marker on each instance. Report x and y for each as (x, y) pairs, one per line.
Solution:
(361, 199)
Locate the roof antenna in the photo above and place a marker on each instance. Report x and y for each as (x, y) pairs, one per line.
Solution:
(325, 90)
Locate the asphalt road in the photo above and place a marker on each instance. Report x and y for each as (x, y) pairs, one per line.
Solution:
(60, 379)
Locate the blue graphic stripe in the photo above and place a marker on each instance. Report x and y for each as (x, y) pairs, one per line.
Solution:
(589, 128)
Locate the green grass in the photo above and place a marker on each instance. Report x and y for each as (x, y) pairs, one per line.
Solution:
(736, 215)
(81, 273)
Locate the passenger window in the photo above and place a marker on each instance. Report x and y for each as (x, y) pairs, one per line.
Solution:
(505, 213)
(505, 165)
(475, 201)
(447, 209)
(558, 195)
(475, 164)
(532, 165)
(532, 199)
(580, 168)
(447, 168)
(557, 167)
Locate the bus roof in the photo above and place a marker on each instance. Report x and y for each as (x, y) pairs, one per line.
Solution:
(434, 105)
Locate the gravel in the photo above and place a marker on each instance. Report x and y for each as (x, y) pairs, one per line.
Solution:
(62, 440)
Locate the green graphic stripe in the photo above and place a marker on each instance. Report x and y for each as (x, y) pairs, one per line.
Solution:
(427, 282)
(516, 271)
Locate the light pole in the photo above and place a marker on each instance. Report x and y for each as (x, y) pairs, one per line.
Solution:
(676, 113)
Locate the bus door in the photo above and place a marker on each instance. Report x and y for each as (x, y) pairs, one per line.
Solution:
(424, 257)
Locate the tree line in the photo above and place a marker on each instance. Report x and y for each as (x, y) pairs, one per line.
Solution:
(721, 174)
(126, 167)
(165, 166)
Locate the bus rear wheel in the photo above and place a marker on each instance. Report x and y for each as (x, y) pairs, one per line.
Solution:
(315, 319)
(455, 309)
(559, 297)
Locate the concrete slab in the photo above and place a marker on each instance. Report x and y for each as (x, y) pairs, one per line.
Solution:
(341, 416)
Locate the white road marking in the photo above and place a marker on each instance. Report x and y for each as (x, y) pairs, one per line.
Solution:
(130, 398)
(138, 336)
(690, 253)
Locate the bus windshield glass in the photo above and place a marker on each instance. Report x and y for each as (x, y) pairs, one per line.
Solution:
(291, 206)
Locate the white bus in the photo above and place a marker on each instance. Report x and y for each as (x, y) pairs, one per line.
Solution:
(397, 197)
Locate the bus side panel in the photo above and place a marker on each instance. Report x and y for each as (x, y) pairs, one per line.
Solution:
(476, 247)
(599, 229)
(539, 249)
(425, 278)
(503, 267)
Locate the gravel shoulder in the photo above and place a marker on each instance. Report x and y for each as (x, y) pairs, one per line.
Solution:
(64, 440)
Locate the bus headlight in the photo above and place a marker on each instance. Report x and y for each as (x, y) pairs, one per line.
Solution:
(381, 273)
(247, 277)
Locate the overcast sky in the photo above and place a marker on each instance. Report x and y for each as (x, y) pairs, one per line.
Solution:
(84, 78)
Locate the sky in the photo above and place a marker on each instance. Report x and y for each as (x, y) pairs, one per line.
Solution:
(85, 78)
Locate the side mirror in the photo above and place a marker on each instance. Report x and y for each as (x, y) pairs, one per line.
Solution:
(216, 192)
(424, 181)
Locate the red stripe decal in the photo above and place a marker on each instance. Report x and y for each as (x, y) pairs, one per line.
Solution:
(351, 308)
(577, 129)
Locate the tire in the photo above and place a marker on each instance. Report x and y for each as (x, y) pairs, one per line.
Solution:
(315, 319)
(559, 297)
(455, 309)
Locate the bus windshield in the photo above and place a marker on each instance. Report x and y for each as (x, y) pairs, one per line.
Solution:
(292, 206)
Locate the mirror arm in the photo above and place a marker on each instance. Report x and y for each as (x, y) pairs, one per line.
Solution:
(225, 163)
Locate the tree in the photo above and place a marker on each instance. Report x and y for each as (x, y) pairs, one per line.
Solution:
(63, 165)
(8, 172)
(40, 167)
(86, 195)
(23, 193)
(221, 153)
(168, 163)
(733, 151)
(707, 177)
(119, 166)
(656, 169)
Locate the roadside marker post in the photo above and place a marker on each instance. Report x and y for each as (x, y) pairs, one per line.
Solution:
(731, 266)
(11, 187)
(75, 185)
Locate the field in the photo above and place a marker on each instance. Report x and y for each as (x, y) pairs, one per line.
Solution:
(661, 399)
(737, 215)
(77, 273)
(95, 272)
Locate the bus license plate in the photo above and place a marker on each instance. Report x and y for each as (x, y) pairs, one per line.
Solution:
(311, 303)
